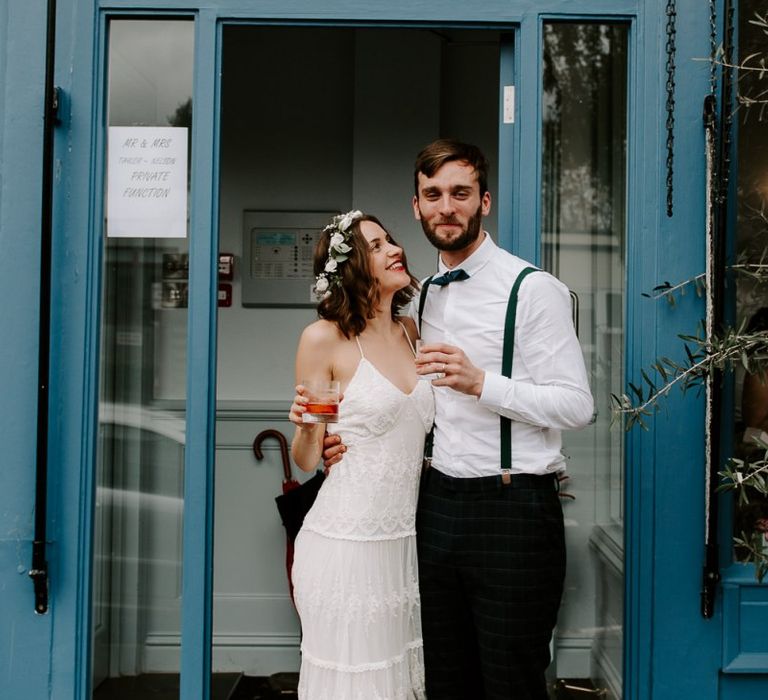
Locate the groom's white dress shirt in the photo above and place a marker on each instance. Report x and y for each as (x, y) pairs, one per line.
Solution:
(548, 391)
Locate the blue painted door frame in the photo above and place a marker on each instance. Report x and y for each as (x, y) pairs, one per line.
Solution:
(664, 632)
(25, 638)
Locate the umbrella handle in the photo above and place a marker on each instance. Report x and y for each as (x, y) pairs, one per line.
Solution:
(270, 432)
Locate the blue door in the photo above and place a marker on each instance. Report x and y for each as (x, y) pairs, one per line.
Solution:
(216, 124)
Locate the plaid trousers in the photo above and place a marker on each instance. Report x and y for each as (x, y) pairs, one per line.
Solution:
(491, 570)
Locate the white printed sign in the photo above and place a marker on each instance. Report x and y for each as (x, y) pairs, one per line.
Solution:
(147, 182)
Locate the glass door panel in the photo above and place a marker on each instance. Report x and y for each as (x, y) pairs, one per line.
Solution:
(583, 239)
(140, 463)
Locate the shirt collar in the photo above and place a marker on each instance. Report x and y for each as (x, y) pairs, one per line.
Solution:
(475, 262)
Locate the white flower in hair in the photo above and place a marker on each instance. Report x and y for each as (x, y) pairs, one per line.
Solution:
(337, 239)
(338, 249)
(348, 219)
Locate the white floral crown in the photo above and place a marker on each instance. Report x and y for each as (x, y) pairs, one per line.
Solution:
(338, 252)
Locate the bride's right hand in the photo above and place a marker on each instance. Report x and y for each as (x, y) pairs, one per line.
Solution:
(299, 408)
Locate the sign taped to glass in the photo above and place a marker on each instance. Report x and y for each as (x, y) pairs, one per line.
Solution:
(147, 182)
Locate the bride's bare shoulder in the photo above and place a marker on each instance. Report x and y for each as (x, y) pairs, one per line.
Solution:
(321, 334)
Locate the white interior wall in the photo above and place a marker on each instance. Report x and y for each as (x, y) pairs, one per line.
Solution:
(286, 144)
(332, 120)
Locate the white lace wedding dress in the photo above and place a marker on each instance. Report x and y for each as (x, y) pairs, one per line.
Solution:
(354, 572)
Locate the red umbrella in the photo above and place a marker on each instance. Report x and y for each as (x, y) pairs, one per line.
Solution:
(297, 498)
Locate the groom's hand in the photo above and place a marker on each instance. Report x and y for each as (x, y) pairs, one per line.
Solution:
(333, 449)
(458, 372)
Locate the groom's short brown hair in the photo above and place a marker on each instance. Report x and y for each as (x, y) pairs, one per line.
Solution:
(438, 153)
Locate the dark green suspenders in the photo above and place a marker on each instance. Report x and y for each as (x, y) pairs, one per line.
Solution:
(427, 461)
(506, 370)
(423, 299)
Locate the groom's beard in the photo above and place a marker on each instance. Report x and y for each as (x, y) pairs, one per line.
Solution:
(465, 238)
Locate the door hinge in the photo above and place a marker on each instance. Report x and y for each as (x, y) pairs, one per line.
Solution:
(55, 102)
(39, 575)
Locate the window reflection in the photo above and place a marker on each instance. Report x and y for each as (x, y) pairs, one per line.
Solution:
(583, 243)
(751, 410)
(142, 424)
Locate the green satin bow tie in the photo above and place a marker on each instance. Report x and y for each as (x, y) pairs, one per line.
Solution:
(449, 277)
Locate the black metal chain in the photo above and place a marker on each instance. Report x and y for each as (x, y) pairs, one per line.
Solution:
(727, 112)
(713, 96)
(713, 48)
(671, 50)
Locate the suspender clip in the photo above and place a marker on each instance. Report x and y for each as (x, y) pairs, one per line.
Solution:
(506, 477)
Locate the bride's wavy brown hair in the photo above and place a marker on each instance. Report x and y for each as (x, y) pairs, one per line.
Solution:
(352, 303)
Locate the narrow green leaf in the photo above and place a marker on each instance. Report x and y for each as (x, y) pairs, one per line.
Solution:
(647, 380)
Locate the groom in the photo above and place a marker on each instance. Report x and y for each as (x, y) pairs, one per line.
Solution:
(491, 544)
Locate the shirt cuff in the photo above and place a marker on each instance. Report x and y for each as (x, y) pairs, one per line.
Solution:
(496, 388)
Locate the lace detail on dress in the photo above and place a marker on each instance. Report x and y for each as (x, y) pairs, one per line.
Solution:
(402, 680)
(355, 573)
(366, 603)
(361, 618)
(372, 492)
(362, 668)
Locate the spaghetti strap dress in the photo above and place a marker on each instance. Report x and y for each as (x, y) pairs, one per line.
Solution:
(354, 572)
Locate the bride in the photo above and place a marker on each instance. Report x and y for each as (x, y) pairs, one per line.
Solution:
(354, 572)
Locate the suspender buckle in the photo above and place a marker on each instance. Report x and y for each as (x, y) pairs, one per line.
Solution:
(506, 477)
